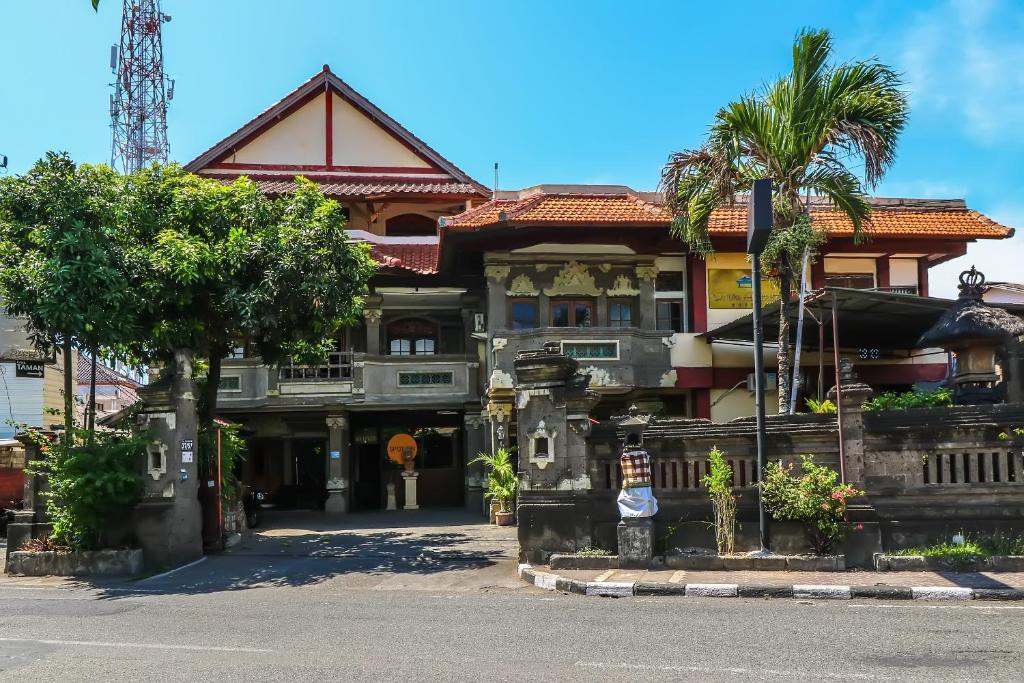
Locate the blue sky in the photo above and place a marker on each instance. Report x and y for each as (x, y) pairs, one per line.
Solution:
(557, 91)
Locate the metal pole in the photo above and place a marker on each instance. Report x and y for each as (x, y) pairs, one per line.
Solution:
(759, 397)
(794, 385)
(220, 498)
(839, 390)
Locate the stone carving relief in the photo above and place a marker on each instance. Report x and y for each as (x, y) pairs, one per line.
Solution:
(498, 343)
(501, 380)
(668, 379)
(496, 273)
(574, 278)
(372, 315)
(622, 287)
(599, 377)
(541, 267)
(542, 445)
(646, 273)
(605, 267)
(522, 285)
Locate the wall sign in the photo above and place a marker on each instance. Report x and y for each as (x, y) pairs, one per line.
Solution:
(28, 368)
(732, 288)
(402, 448)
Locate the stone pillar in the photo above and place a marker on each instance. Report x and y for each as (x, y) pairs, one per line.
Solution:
(1014, 370)
(31, 521)
(410, 478)
(500, 415)
(636, 542)
(475, 477)
(372, 316)
(168, 520)
(850, 403)
(497, 312)
(338, 457)
(647, 312)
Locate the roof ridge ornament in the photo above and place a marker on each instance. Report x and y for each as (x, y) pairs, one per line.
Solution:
(972, 284)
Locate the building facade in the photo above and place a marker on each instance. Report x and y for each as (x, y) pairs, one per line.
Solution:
(468, 279)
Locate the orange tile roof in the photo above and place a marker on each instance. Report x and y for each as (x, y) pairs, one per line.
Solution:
(418, 258)
(889, 218)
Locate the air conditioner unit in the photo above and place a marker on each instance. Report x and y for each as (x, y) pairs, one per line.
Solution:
(771, 381)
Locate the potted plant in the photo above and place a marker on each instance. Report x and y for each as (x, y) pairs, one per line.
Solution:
(502, 483)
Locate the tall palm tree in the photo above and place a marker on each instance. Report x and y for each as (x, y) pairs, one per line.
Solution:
(803, 131)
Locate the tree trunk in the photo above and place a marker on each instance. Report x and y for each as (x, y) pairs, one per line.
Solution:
(208, 402)
(69, 397)
(92, 395)
(783, 357)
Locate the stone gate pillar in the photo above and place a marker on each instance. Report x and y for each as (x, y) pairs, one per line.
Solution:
(168, 519)
(850, 400)
(552, 410)
(475, 478)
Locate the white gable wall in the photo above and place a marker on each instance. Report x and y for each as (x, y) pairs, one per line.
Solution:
(295, 139)
(358, 141)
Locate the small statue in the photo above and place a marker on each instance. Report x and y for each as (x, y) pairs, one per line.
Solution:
(636, 498)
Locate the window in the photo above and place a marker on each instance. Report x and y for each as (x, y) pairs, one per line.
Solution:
(620, 314)
(668, 281)
(572, 313)
(424, 347)
(852, 280)
(523, 314)
(400, 347)
(424, 379)
(669, 315)
(591, 350)
(410, 225)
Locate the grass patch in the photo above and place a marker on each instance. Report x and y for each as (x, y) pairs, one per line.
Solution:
(976, 547)
(592, 552)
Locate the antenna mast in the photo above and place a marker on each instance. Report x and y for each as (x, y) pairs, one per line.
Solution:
(138, 106)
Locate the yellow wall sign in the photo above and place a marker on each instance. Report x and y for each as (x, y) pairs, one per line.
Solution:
(402, 448)
(732, 288)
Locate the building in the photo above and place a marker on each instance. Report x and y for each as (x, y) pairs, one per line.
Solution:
(115, 389)
(31, 382)
(467, 280)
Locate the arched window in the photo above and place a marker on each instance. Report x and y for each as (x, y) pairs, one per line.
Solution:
(412, 336)
(410, 225)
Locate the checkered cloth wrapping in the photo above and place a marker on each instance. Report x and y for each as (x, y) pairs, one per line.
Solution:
(636, 469)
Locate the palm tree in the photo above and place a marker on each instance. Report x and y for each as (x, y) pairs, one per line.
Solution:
(801, 131)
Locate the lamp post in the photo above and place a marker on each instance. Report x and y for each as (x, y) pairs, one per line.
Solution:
(759, 228)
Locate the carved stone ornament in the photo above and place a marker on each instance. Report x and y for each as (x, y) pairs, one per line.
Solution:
(599, 377)
(574, 278)
(522, 285)
(500, 412)
(372, 315)
(541, 267)
(647, 273)
(501, 380)
(622, 287)
(498, 343)
(546, 436)
(337, 484)
(337, 422)
(605, 267)
(496, 273)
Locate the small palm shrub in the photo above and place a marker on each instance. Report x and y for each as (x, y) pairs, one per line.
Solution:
(891, 400)
(822, 407)
(719, 484)
(502, 482)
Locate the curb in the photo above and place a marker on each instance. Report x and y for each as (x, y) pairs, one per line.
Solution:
(624, 589)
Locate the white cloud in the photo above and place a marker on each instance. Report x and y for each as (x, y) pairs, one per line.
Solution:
(1000, 260)
(965, 58)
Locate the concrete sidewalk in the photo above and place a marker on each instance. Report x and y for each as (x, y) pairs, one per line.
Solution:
(835, 585)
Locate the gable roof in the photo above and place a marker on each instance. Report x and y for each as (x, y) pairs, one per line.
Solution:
(601, 206)
(441, 171)
(104, 374)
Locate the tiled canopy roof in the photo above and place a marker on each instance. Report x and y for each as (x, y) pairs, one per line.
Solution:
(365, 187)
(104, 374)
(418, 258)
(889, 218)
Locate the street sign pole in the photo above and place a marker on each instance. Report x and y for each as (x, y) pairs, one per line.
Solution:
(759, 227)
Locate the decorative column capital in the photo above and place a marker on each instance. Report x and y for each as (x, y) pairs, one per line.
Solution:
(646, 273)
(496, 272)
(337, 422)
(372, 315)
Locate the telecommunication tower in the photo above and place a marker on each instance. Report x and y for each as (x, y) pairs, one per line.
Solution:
(138, 106)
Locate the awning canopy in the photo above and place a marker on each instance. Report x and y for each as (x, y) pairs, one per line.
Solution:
(867, 319)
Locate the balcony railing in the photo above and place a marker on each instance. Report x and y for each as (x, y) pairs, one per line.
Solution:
(899, 289)
(337, 367)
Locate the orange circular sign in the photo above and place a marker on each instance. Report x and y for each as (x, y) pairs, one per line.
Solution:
(402, 448)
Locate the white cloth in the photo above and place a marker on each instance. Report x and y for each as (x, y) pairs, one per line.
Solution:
(637, 501)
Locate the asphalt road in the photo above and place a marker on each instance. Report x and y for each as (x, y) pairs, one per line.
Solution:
(314, 632)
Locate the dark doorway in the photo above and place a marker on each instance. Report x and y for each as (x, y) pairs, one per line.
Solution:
(310, 473)
(440, 459)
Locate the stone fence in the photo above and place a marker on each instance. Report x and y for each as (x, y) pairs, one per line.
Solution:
(927, 473)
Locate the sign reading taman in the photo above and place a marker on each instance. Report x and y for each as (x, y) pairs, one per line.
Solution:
(732, 288)
(28, 368)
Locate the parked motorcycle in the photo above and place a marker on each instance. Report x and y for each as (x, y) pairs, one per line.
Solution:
(252, 502)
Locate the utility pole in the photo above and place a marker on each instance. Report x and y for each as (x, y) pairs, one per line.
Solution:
(138, 105)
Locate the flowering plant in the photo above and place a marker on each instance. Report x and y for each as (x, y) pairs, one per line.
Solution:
(814, 498)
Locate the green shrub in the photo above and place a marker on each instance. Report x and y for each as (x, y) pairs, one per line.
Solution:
(956, 557)
(232, 453)
(719, 484)
(502, 482)
(822, 407)
(815, 499)
(892, 400)
(91, 482)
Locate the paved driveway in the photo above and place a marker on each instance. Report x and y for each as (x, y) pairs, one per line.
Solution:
(412, 550)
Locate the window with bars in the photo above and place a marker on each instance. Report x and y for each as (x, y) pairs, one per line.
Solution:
(572, 313)
(620, 314)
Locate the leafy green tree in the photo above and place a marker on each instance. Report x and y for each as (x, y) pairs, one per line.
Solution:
(802, 131)
(60, 268)
(220, 265)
